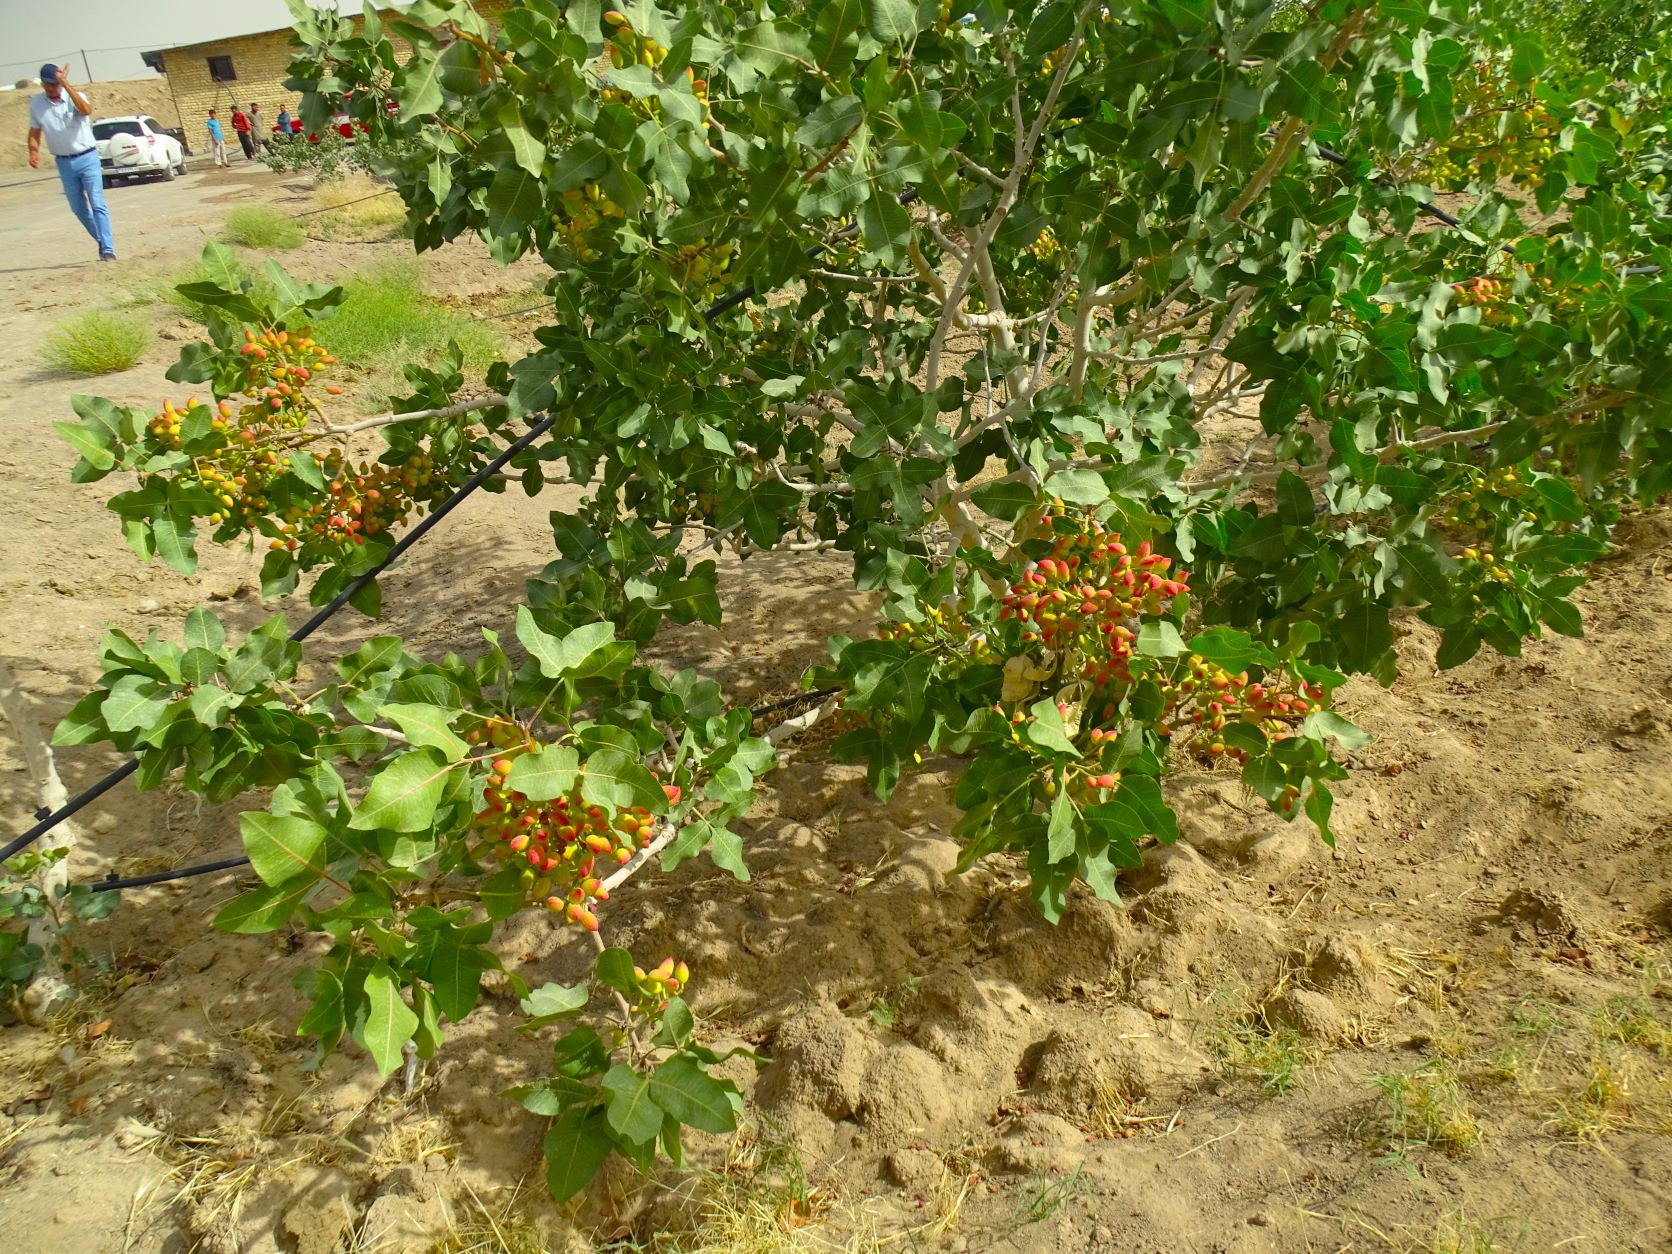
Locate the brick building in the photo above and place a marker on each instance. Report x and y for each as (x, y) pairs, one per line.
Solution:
(246, 69)
(238, 69)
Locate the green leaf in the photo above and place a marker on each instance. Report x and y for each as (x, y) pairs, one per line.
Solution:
(677, 1023)
(551, 1002)
(1321, 723)
(455, 972)
(1294, 500)
(282, 847)
(725, 850)
(83, 724)
(389, 1023)
(418, 86)
(684, 1090)
(209, 703)
(1061, 833)
(612, 778)
(1366, 635)
(614, 969)
(199, 666)
(1232, 649)
(1319, 803)
(1425, 573)
(886, 226)
(93, 445)
(557, 656)
(1562, 617)
(546, 773)
(631, 1110)
(833, 121)
(1004, 500)
(503, 893)
(530, 152)
(1160, 639)
(1078, 487)
(173, 537)
(1049, 30)
(515, 201)
(403, 795)
(1046, 731)
(576, 1146)
(263, 909)
(135, 702)
(894, 21)
(426, 727)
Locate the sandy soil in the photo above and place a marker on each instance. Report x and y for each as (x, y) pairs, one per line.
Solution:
(117, 98)
(1449, 1033)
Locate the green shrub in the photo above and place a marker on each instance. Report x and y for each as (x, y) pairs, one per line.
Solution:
(387, 321)
(262, 226)
(99, 342)
(359, 209)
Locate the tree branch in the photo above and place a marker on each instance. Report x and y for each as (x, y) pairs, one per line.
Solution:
(1008, 193)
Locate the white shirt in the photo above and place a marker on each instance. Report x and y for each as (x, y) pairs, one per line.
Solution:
(66, 129)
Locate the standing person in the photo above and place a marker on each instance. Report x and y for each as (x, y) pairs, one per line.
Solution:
(216, 142)
(62, 116)
(283, 120)
(256, 130)
(241, 124)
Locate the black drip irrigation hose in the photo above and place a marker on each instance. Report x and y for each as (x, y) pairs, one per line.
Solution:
(111, 884)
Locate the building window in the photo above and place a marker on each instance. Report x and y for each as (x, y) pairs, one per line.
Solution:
(220, 70)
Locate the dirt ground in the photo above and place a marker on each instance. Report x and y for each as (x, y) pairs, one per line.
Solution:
(1450, 1033)
(116, 98)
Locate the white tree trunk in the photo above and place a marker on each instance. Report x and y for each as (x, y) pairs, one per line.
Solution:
(49, 983)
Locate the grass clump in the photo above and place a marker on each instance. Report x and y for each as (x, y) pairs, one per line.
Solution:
(262, 226)
(386, 321)
(360, 209)
(1276, 1057)
(1427, 1107)
(99, 342)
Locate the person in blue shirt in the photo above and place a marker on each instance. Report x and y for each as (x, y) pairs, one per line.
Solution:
(62, 117)
(283, 121)
(215, 140)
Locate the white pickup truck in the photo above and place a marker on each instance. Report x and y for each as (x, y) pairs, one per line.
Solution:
(136, 147)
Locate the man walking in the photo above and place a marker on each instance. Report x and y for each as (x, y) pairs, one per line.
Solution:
(256, 131)
(241, 124)
(61, 115)
(216, 141)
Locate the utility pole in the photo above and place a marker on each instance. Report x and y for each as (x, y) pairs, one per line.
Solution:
(85, 68)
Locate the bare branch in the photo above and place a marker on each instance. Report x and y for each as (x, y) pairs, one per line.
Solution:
(1007, 195)
(979, 170)
(418, 415)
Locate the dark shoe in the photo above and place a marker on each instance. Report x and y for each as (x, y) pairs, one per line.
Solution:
(107, 256)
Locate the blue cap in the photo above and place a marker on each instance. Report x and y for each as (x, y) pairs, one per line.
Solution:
(49, 75)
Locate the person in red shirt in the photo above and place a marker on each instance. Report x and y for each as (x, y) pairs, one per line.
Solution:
(241, 124)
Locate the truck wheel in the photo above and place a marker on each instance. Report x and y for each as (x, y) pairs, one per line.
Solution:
(168, 174)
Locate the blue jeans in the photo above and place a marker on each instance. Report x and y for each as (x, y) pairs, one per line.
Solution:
(84, 186)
